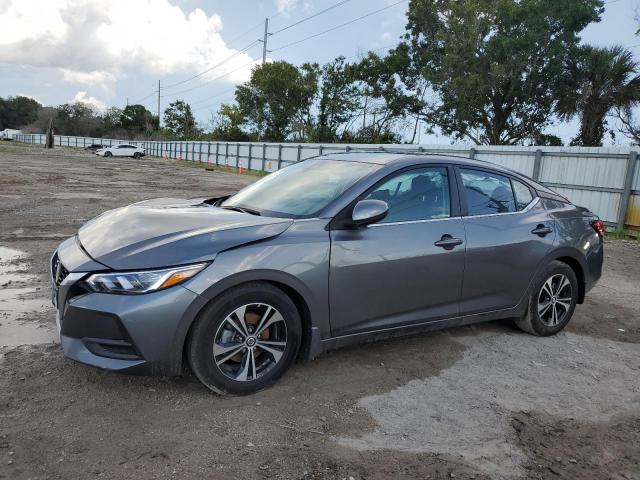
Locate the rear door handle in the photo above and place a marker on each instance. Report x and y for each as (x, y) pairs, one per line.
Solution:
(541, 230)
(448, 242)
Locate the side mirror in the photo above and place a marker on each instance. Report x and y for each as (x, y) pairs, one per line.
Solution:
(367, 212)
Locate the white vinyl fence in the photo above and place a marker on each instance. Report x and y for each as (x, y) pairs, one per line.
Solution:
(605, 180)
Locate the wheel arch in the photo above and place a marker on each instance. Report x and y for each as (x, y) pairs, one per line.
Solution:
(578, 269)
(291, 286)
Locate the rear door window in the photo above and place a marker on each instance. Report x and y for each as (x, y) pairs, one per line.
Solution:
(487, 193)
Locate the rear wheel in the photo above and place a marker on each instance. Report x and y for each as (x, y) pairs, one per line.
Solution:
(245, 339)
(136, 155)
(553, 300)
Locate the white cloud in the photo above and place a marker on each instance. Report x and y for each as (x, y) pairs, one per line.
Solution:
(285, 6)
(81, 97)
(94, 78)
(93, 43)
(386, 36)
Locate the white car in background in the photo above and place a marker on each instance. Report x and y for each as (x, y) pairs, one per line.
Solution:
(122, 150)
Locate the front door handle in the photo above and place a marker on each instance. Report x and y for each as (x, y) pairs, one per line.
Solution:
(448, 242)
(541, 230)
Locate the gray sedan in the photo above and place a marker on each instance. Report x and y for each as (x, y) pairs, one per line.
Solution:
(328, 252)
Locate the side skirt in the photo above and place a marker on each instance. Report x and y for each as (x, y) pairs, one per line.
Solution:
(334, 343)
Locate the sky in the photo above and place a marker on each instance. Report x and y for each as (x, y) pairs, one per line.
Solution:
(108, 53)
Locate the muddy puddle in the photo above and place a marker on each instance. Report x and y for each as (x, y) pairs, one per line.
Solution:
(21, 303)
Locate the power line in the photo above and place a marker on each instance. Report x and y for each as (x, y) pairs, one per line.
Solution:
(175, 94)
(338, 26)
(336, 5)
(211, 98)
(230, 57)
(147, 96)
(244, 33)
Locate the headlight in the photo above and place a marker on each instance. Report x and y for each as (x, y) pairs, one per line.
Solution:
(143, 281)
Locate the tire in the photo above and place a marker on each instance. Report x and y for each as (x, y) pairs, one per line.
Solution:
(136, 155)
(108, 154)
(249, 356)
(546, 316)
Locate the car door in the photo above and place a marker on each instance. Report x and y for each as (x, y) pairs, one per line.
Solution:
(118, 151)
(407, 268)
(508, 233)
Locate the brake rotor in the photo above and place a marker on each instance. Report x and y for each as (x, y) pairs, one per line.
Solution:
(251, 319)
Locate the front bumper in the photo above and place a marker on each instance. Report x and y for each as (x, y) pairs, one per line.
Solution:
(141, 334)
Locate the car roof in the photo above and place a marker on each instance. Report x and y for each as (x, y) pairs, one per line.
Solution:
(387, 158)
(405, 159)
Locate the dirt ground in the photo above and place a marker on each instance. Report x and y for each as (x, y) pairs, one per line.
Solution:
(485, 401)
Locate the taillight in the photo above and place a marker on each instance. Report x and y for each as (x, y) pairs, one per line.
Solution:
(598, 226)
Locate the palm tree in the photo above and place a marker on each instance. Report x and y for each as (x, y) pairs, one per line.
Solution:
(597, 81)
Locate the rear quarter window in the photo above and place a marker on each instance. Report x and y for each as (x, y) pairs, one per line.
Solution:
(522, 193)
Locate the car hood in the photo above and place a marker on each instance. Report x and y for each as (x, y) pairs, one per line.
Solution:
(167, 232)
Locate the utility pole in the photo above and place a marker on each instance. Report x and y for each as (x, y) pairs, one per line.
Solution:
(158, 103)
(264, 40)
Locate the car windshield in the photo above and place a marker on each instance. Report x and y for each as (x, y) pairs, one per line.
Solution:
(300, 190)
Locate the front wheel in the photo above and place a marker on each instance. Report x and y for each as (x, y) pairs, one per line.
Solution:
(136, 155)
(108, 154)
(553, 300)
(245, 339)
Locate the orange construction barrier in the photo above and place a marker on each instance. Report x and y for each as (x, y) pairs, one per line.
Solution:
(209, 165)
(240, 169)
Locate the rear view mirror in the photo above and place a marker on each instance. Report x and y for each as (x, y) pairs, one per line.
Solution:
(367, 212)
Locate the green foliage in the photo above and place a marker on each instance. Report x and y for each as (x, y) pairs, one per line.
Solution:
(78, 119)
(227, 125)
(179, 120)
(595, 82)
(16, 112)
(276, 96)
(494, 64)
(137, 119)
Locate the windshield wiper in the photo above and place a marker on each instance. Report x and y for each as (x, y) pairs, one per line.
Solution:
(241, 209)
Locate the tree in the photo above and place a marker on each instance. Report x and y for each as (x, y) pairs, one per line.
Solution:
(78, 119)
(111, 119)
(137, 119)
(179, 120)
(494, 64)
(16, 112)
(387, 99)
(227, 125)
(596, 82)
(275, 98)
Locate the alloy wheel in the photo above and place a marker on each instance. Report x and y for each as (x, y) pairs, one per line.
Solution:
(250, 341)
(554, 300)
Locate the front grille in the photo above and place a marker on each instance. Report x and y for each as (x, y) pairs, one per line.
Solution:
(58, 271)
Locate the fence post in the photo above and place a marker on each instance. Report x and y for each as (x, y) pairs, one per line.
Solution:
(264, 155)
(320, 148)
(208, 153)
(279, 155)
(472, 153)
(299, 153)
(537, 165)
(249, 159)
(217, 152)
(237, 155)
(628, 184)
